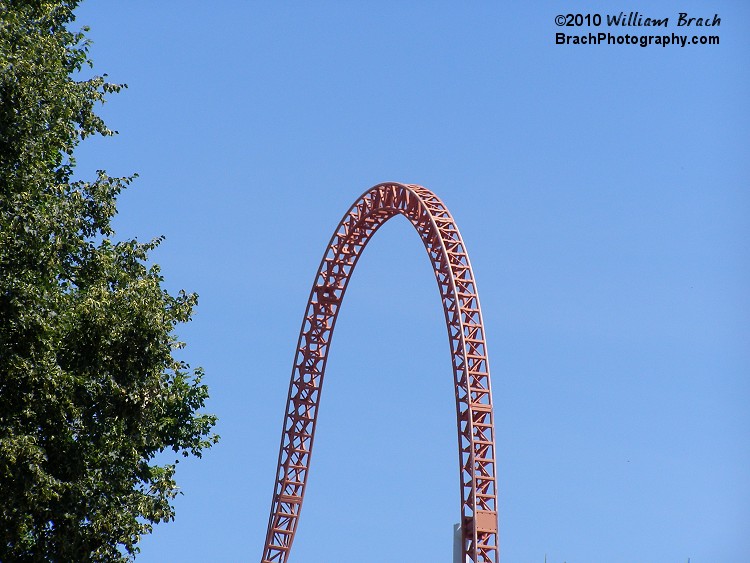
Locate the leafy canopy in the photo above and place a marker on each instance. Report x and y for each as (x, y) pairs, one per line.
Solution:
(90, 391)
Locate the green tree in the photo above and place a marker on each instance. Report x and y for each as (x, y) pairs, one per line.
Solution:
(90, 391)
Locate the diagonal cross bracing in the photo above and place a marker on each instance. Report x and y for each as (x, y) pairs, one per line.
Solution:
(463, 318)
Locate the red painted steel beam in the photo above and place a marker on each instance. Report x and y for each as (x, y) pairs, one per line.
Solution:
(463, 318)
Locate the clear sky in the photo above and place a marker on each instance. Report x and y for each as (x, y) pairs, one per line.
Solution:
(602, 191)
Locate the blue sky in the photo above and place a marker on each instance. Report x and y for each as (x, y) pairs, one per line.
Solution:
(602, 192)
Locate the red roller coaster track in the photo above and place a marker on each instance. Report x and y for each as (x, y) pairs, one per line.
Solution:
(471, 372)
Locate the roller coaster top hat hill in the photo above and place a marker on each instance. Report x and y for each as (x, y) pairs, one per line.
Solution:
(463, 318)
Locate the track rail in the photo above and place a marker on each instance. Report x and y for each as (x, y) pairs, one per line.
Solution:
(471, 372)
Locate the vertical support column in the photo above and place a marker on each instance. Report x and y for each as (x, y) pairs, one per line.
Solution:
(458, 548)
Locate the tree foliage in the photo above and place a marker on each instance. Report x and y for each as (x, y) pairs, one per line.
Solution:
(90, 390)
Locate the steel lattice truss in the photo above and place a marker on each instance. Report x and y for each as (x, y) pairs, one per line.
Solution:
(463, 318)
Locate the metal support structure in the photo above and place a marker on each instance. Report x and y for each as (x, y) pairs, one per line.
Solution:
(463, 318)
(458, 551)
